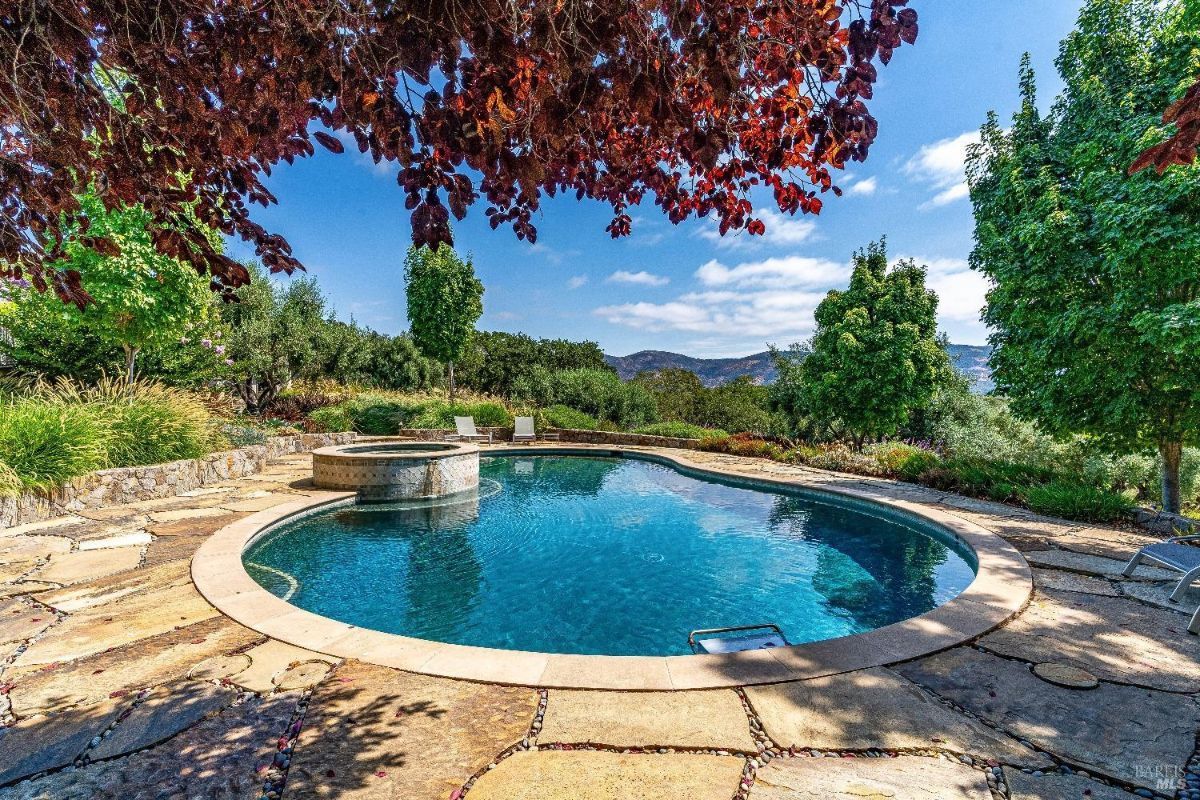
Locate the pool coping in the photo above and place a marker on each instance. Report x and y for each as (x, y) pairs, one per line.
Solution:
(365, 455)
(1002, 586)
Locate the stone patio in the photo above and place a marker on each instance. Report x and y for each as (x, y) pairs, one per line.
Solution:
(117, 680)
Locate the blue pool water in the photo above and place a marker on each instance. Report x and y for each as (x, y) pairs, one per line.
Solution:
(610, 556)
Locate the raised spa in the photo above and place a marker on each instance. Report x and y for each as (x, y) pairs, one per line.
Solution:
(612, 556)
(385, 471)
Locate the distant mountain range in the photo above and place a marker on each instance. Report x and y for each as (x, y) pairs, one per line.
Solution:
(970, 359)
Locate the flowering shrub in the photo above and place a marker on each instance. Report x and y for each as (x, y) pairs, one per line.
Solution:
(840, 458)
(743, 444)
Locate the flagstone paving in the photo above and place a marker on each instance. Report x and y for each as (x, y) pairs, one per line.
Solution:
(1061, 787)
(267, 663)
(88, 565)
(1114, 638)
(901, 778)
(117, 680)
(375, 732)
(119, 623)
(163, 712)
(1074, 582)
(1090, 564)
(877, 709)
(225, 756)
(574, 775)
(1115, 729)
(19, 621)
(147, 662)
(711, 719)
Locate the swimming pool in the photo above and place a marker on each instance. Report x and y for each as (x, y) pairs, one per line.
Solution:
(611, 556)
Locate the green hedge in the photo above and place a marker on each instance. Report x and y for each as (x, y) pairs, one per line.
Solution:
(681, 430)
(385, 415)
(1074, 501)
(560, 416)
(1040, 489)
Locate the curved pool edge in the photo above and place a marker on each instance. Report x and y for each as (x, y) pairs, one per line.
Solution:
(1002, 586)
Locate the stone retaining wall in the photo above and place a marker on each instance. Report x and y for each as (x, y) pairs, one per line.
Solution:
(1165, 522)
(635, 439)
(111, 487)
(501, 435)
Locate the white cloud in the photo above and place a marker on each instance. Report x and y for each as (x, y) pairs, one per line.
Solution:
(866, 187)
(956, 192)
(552, 254)
(781, 230)
(505, 315)
(576, 281)
(741, 308)
(746, 305)
(961, 291)
(786, 316)
(381, 167)
(641, 278)
(783, 272)
(940, 165)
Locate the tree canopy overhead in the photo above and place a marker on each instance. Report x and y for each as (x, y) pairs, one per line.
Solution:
(1184, 114)
(184, 107)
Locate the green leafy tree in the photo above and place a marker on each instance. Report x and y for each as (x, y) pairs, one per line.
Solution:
(496, 362)
(1095, 303)
(786, 398)
(396, 363)
(738, 406)
(142, 299)
(677, 392)
(276, 334)
(875, 355)
(445, 299)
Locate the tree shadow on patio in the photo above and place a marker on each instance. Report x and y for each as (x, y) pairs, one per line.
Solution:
(402, 735)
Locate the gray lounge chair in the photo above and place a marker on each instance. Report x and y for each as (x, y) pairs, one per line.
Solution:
(466, 431)
(1173, 554)
(523, 431)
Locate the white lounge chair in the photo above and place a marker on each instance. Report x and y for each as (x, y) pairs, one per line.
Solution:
(466, 431)
(1173, 554)
(523, 431)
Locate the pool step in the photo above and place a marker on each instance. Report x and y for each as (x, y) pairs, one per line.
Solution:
(763, 640)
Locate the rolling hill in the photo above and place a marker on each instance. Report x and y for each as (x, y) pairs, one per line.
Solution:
(969, 359)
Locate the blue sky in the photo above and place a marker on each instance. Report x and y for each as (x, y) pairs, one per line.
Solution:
(684, 288)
